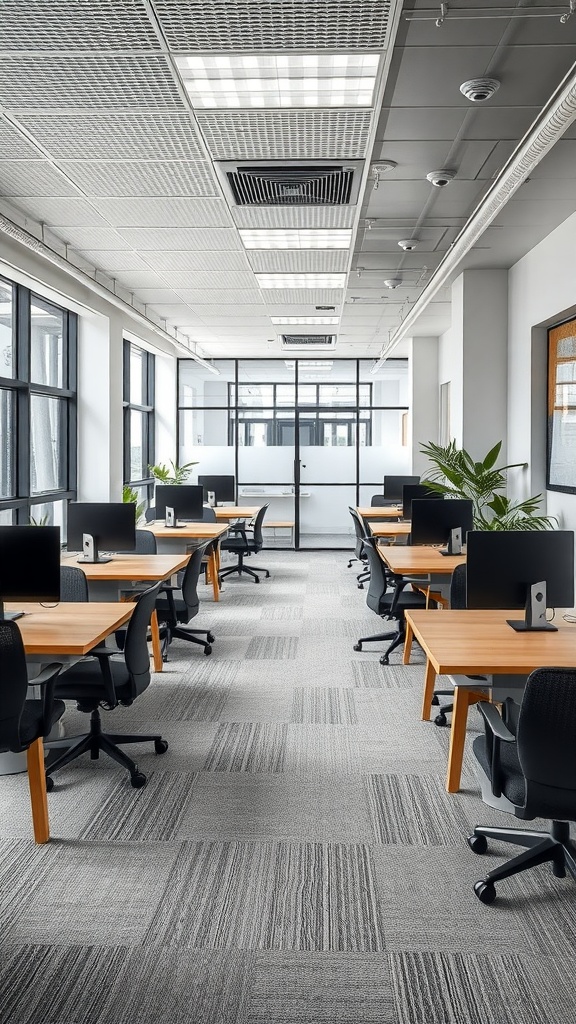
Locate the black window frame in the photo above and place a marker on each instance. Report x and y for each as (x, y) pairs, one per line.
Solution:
(23, 390)
(148, 408)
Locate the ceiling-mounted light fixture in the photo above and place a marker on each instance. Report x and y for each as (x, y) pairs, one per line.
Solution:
(378, 170)
(440, 178)
(478, 90)
(392, 282)
(408, 244)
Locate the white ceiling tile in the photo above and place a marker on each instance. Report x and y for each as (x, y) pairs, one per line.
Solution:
(183, 260)
(205, 299)
(90, 25)
(134, 279)
(60, 213)
(114, 260)
(196, 239)
(294, 216)
(91, 238)
(151, 212)
(291, 135)
(115, 135)
(32, 178)
(303, 296)
(170, 178)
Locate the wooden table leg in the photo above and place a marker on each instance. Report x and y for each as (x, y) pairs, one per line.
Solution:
(407, 644)
(37, 786)
(463, 698)
(429, 681)
(156, 644)
(213, 563)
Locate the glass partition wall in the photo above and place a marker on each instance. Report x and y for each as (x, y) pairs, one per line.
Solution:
(307, 436)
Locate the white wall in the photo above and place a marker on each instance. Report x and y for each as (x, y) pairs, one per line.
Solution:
(424, 396)
(542, 292)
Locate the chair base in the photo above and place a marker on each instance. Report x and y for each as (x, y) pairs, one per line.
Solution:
(242, 569)
(540, 847)
(181, 633)
(397, 638)
(95, 741)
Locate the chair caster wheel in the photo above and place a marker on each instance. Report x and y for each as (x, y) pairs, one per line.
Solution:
(478, 844)
(384, 660)
(485, 892)
(435, 700)
(138, 780)
(360, 586)
(49, 783)
(440, 719)
(357, 647)
(256, 581)
(210, 638)
(208, 649)
(160, 747)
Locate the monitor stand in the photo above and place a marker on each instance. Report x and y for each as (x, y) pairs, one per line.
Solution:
(535, 615)
(170, 520)
(90, 554)
(454, 543)
(8, 616)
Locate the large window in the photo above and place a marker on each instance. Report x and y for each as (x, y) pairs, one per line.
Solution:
(37, 407)
(139, 442)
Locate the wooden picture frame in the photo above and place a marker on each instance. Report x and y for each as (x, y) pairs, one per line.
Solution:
(561, 430)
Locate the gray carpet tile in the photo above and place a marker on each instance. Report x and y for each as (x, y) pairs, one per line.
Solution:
(322, 988)
(268, 702)
(330, 704)
(266, 806)
(281, 611)
(326, 748)
(247, 747)
(413, 810)
(151, 813)
(270, 896)
(371, 675)
(70, 812)
(272, 647)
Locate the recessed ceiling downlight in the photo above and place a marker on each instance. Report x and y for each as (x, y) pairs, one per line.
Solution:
(478, 90)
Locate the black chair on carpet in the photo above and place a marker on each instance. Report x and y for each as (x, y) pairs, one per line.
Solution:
(457, 600)
(386, 596)
(100, 682)
(175, 611)
(73, 584)
(245, 541)
(22, 721)
(528, 768)
(361, 531)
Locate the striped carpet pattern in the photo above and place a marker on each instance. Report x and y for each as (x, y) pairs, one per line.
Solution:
(294, 857)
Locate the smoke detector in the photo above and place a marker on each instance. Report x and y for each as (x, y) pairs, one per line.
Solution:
(378, 170)
(440, 178)
(392, 282)
(478, 90)
(408, 244)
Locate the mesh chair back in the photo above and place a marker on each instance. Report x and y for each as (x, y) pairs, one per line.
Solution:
(359, 530)
(258, 540)
(145, 544)
(14, 684)
(150, 514)
(378, 584)
(190, 581)
(546, 740)
(379, 499)
(136, 646)
(208, 515)
(458, 587)
(73, 584)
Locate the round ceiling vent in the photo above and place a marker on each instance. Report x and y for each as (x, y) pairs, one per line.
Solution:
(478, 90)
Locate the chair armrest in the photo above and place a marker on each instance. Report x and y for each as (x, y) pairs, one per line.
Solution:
(496, 732)
(47, 678)
(46, 675)
(494, 722)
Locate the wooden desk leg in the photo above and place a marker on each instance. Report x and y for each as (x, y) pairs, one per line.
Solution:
(407, 644)
(156, 645)
(463, 698)
(37, 786)
(429, 681)
(212, 562)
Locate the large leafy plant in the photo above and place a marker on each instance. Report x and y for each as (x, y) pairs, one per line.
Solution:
(131, 494)
(457, 475)
(171, 474)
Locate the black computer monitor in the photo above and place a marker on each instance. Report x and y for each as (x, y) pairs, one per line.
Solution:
(29, 565)
(503, 566)
(393, 486)
(412, 491)
(222, 487)
(185, 499)
(97, 525)
(433, 522)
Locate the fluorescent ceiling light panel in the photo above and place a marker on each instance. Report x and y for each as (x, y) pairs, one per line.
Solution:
(299, 238)
(279, 80)
(301, 280)
(311, 320)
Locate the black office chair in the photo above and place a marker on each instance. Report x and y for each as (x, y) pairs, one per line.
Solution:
(145, 544)
(73, 584)
(378, 501)
(243, 542)
(528, 768)
(23, 721)
(387, 600)
(361, 531)
(150, 514)
(174, 611)
(99, 682)
(457, 600)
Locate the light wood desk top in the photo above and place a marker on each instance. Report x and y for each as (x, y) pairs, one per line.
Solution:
(237, 511)
(412, 561)
(391, 530)
(196, 531)
(379, 511)
(68, 628)
(475, 642)
(130, 567)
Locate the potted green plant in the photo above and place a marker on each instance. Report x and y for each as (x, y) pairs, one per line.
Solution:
(131, 494)
(171, 474)
(457, 475)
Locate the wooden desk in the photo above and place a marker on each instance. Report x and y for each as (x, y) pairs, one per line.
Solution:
(168, 536)
(237, 511)
(104, 579)
(422, 560)
(69, 630)
(391, 529)
(380, 511)
(479, 642)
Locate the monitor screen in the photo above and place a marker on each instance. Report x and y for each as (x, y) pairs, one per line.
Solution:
(29, 563)
(393, 486)
(111, 524)
(502, 564)
(412, 491)
(185, 499)
(432, 521)
(223, 487)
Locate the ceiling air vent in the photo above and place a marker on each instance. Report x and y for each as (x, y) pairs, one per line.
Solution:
(308, 340)
(283, 183)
